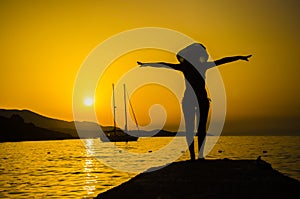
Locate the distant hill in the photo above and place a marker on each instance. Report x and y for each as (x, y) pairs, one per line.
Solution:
(33, 126)
(90, 129)
(16, 129)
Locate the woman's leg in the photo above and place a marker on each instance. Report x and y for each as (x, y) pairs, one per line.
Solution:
(203, 109)
(188, 108)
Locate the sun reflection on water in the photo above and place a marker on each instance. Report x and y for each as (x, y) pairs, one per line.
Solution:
(88, 168)
(90, 180)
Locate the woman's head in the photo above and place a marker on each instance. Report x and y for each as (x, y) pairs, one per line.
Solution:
(195, 53)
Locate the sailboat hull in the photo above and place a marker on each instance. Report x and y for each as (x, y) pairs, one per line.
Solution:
(118, 136)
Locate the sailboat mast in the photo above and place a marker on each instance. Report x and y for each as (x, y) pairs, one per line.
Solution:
(125, 106)
(114, 107)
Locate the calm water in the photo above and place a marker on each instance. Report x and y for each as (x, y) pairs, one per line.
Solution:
(70, 169)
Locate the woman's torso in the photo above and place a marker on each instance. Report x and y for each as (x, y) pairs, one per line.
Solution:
(195, 82)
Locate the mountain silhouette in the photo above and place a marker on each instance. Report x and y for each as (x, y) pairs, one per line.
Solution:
(67, 128)
(15, 129)
(25, 125)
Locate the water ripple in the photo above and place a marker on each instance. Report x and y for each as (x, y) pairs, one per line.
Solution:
(66, 169)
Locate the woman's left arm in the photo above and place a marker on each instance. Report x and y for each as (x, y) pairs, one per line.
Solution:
(231, 59)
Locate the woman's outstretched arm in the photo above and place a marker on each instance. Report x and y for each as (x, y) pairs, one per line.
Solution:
(231, 59)
(159, 65)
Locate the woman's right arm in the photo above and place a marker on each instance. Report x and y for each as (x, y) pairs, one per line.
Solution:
(159, 65)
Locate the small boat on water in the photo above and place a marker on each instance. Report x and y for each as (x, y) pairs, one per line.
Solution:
(117, 134)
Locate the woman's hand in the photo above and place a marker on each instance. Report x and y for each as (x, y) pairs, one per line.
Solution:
(140, 63)
(245, 58)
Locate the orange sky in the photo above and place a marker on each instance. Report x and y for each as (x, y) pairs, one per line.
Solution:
(44, 43)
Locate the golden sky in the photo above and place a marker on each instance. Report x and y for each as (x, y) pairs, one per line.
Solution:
(44, 43)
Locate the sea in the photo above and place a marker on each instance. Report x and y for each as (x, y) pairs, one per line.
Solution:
(87, 167)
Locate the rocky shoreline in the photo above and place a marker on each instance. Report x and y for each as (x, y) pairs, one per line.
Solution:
(209, 179)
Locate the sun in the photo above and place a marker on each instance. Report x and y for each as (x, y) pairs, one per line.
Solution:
(88, 101)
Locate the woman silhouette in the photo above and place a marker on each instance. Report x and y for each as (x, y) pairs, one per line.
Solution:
(193, 64)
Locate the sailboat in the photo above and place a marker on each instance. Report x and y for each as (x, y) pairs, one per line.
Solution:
(117, 134)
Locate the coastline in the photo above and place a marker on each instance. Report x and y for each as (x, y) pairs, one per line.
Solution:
(209, 179)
